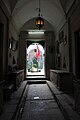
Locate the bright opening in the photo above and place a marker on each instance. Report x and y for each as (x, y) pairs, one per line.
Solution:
(35, 59)
(36, 32)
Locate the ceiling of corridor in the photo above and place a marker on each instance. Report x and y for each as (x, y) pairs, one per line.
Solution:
(54, 11)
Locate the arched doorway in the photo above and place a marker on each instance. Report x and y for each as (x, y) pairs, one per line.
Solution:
(35, 57)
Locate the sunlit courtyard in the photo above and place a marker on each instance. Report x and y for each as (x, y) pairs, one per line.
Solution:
(35, 60)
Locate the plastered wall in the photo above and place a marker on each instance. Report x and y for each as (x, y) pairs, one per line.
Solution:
(62, 48)
(13, 46)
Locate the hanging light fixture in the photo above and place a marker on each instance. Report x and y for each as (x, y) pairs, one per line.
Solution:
(39, 20)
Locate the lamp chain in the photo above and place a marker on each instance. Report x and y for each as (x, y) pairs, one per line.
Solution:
(39, 8)
(39, 20)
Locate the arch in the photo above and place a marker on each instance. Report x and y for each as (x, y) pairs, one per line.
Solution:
(26, 10)
(33, 46)
(30, 25)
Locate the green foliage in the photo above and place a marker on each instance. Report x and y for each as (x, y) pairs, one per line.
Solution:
(34, 65)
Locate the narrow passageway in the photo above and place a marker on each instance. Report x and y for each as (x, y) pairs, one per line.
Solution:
(39, 104)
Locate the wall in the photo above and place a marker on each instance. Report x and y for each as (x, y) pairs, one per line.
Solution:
(22, 51)
(4, 25)
(13, 40)
(3, 45)
(9, 30)
(74, 21)
(74, 25)
(50, 52)
(62, 48)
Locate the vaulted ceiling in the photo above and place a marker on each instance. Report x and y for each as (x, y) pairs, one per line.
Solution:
(53, 11)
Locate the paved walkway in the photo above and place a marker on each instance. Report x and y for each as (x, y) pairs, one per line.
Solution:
(39, 103)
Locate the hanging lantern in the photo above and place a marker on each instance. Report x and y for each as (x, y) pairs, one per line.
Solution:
(39, 20)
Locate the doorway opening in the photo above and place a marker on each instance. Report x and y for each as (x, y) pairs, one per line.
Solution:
(1, 50)
(35, 59)
(77, 55)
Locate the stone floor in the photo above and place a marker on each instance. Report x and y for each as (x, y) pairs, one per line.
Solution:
(40, 104)
(41, 101)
